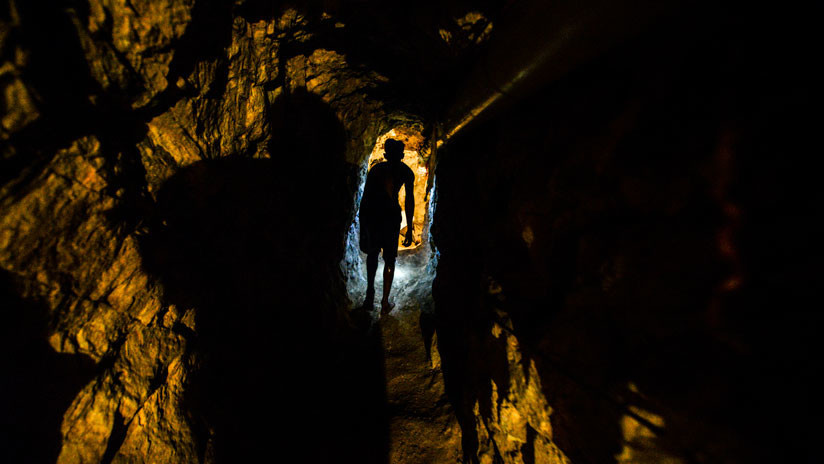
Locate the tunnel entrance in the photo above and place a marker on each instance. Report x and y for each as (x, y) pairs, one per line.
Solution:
(415, 265)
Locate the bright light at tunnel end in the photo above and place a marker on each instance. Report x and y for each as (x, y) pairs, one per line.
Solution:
(415, 267)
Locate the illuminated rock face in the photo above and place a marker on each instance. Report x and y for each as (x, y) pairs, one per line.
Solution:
(165, 183)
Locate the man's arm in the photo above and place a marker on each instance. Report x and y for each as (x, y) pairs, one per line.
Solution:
(410, 209)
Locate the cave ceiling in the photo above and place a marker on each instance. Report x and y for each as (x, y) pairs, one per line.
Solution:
(423, 50)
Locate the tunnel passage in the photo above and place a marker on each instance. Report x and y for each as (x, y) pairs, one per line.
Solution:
(253, 246)
(638, 228)
(415, 265)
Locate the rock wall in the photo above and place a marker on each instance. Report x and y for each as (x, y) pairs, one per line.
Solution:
(625, 256)
(158, 160)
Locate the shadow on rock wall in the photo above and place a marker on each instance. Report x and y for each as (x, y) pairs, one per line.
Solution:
(37, 384)
(652, 265)
(254, 246)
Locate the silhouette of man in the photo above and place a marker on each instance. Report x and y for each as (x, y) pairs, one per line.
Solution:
(380, 218)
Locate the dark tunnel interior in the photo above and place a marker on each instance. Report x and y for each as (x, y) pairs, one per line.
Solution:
(617, 264)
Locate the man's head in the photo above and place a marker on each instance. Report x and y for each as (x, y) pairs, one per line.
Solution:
(393, 150)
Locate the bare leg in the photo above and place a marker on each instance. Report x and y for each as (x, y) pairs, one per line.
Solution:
(371, 270)
(388, 274)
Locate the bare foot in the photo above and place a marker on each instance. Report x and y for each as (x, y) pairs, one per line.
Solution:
(369, 302)
(386, 307)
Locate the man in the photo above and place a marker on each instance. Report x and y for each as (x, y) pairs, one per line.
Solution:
(380, 218)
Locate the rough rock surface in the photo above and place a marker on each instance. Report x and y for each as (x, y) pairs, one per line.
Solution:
(422, 426)
(632, 287)
(93, 130)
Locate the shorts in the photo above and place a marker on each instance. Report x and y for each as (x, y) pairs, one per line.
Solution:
(380, 235)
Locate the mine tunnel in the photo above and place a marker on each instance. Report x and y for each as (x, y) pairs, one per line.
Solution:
(613, 232)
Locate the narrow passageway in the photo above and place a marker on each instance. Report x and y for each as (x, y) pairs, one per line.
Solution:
(422, 424)
(415, 263)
